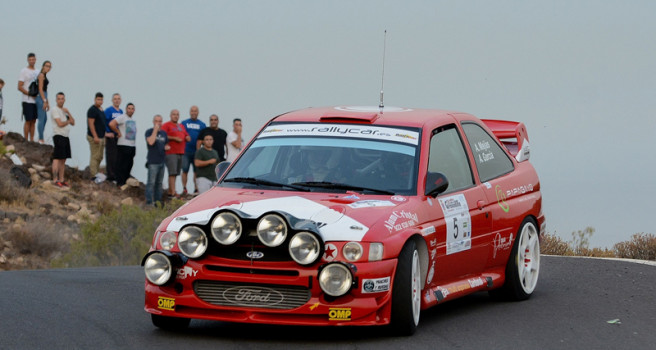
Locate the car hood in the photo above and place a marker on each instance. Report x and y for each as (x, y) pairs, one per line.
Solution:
(339, 216)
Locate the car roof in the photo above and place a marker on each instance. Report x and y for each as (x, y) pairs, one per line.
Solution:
(371, 115)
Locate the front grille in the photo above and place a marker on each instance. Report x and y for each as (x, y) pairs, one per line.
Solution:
(252, 295)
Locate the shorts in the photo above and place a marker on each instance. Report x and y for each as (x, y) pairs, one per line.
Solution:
(62, 147)
(187, 161)
(29, 111)
(174, 164)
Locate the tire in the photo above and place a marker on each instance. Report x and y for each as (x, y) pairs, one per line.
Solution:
(523, 267)
(406, 291)
(170, 323)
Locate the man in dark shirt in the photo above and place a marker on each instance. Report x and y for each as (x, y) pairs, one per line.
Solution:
(157, 140)
(219, 135)
(96, 134)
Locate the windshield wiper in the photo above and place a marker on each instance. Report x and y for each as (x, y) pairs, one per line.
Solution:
(341, 186)
(254, 181)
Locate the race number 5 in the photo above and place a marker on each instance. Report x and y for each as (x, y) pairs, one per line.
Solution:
(455, 227)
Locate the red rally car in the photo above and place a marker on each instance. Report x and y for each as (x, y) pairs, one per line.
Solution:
(353, 216)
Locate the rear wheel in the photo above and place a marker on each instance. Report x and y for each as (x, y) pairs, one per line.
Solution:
(523, 267)
(170, 323)
(406, 291)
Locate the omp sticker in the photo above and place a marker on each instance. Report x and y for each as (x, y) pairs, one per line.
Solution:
(339, 314)
(376, 285)
(341, 130)
(458, 223)
(371, 204)
(166, 303)
(330, 253)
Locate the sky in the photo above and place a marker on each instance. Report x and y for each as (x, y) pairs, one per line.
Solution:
(580, 75)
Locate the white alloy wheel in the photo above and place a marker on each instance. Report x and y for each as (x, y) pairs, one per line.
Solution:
(528, 257)
(416, 287)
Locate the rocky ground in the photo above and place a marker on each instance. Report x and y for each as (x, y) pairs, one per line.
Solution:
(38, 223)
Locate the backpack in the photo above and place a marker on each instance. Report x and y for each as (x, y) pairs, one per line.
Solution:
(33, 90)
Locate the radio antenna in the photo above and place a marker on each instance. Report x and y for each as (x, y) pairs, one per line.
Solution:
(382, 80)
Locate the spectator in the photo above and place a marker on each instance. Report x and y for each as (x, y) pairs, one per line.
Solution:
(2, 84)
(63, 120)
(125, 129)
(42, 105)
(96, 135)
(26, 77)
(193, 126)
(219, 135)
(178, 136)
(234, 141)
(206, 159)
(156, 140)
(111, 140)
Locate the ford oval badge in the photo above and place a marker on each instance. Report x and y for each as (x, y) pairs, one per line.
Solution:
(255, 255)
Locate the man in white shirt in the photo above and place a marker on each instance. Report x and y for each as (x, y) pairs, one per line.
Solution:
(63, 120)
(234, 140)
(125, 129)
(26, 77)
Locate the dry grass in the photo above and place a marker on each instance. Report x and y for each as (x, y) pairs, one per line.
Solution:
(641, 246)
(40, 236)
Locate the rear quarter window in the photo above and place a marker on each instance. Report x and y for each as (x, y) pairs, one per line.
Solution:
(491, 160)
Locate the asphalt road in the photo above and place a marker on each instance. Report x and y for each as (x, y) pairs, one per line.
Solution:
(102, 308)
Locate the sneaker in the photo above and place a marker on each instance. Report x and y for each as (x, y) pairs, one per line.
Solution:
(59, 184)
(64, 183)
(196, 192)
(184, 192)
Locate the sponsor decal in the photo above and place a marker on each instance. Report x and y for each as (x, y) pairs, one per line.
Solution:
(398, 198)
(433, 242)
(441, 293)
(433, 253)
(330, 253)
(501, 199)
(501, 243)
(458, 223)
(185, 272)
(253, 254)
(371, 204)
(430, 201)
(253, 296)
(487, 185)
(459, 288)
(431, 273)
(393, 222)
(339, 314)
(166, 303)
(342, 130)
(314, 306)
(428, 230)
(475, 282)
(519, 190)
(376, 285)
(352, 197)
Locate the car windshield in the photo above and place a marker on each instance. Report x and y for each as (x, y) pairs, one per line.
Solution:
(378, 164)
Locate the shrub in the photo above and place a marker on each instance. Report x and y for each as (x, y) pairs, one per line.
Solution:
(120, 237)
(554, 245)
(641, 246)
(39, 236)
(10, 191)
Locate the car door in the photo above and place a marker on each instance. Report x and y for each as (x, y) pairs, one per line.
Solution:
(463, 206)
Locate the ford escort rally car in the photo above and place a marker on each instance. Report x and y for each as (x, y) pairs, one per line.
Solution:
(353, 216)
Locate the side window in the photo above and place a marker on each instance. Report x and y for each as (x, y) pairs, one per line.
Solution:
(448, 156)
(490, 158)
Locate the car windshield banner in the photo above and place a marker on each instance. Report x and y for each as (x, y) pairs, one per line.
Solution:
(343, 130)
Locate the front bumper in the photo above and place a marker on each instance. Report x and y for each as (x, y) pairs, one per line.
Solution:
(273, 293)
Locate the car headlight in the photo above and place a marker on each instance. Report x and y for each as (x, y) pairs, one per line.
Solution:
(158, 268)
(335, 279)
(226, 228)
(352, 251)
(192, 241)
(305, 248)
(375, 251)
(167, 240)
(272, 230)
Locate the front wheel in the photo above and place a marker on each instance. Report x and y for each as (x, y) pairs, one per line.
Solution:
(170, 323)
(406, 291)
(523, 266)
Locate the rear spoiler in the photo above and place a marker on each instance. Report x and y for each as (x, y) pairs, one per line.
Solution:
(512, 135)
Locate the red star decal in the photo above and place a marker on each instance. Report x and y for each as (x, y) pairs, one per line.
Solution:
(330, 253)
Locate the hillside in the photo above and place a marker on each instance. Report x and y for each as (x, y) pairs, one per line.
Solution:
(39, 223)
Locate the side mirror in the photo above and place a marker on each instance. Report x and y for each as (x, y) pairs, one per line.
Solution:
(436, 183)
(221, 168)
